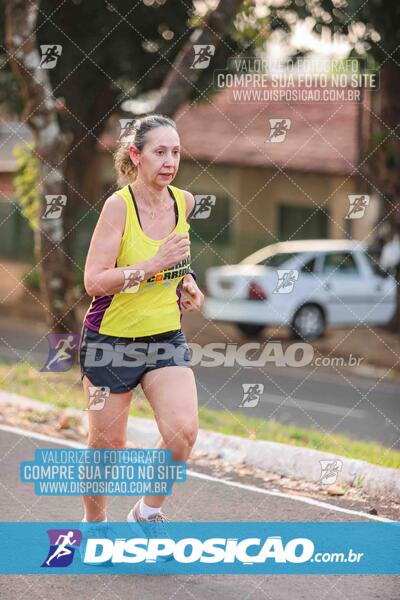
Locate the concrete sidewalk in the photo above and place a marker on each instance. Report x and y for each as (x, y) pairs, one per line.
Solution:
(287, 461)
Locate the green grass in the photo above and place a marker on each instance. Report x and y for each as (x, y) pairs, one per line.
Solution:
(65, 390)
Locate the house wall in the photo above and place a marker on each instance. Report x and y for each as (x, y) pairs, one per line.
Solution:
(264, 190)
(256, 194)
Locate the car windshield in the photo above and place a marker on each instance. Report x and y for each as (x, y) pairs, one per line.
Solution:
(276, 260)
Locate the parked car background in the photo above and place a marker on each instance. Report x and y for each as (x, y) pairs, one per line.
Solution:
(306, 285)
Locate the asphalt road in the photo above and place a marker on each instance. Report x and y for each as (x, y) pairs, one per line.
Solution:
(339, 401)
(197, 500)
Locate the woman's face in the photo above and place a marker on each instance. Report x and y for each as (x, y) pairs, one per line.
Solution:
(159, 160)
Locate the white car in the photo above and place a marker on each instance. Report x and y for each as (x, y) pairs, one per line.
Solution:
(306, 285)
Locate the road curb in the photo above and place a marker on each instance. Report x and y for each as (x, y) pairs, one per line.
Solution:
(288, 461)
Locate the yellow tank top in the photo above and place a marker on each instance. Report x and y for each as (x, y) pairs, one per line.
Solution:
(155, 306)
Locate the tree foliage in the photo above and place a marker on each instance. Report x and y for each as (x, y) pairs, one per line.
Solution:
(117, 50)
(26, 181)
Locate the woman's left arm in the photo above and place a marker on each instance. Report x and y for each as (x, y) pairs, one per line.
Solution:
(192, 298)
(190, 202)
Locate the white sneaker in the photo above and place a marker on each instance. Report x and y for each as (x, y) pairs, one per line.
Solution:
(153, 527)
(95, 529)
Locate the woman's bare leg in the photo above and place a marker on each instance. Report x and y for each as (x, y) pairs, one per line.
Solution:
(172, 394)
(107, 429)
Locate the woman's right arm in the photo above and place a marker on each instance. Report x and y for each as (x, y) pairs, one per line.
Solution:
(101, 277)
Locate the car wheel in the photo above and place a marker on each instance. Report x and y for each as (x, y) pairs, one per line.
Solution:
(308, 322)
(250, 329)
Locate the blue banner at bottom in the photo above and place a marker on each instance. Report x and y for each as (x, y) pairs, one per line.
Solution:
(202, 548)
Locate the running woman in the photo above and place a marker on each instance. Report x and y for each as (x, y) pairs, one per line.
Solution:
(138, 272)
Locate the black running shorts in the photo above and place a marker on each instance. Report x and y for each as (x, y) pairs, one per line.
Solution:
(119, 363)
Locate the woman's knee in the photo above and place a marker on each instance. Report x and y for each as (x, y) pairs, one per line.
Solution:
(191, 435)
(183, 439)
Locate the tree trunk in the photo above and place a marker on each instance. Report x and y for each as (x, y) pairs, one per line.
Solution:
(181, 79)
(55, 266)
(82, 163)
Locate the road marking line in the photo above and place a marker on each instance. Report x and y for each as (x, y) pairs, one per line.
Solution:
(41, 436)
(249, 488)
(304, 499)
(330, 409)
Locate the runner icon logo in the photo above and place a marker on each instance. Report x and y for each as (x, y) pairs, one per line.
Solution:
(49, 55)
(97, 397)
(203, 54)
(203, 206)
(63, 543)
(286, 280)
(251, 394)
(357, 205)
(127, 131)
(55, 205)
(63, 348)
(278, 130)
(132, 279)
(330, 470)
